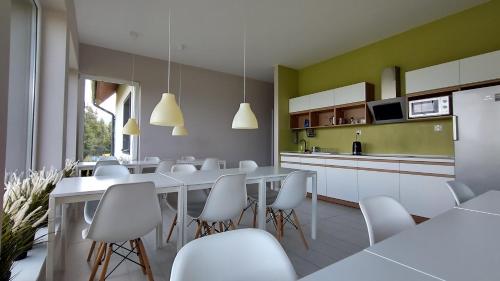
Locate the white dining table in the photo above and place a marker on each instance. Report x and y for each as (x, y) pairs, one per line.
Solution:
(135, 165)
(460, 244)
(81, 189)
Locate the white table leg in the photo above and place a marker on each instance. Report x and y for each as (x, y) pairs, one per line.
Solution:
(159, 228)
(314, 206)
(262, 205)
(181, 217)
(51, 245)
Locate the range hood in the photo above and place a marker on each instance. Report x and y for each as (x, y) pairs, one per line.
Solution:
(392, 107)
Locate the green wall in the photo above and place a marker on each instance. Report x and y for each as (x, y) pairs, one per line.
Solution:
(286, 85)
(465, 34)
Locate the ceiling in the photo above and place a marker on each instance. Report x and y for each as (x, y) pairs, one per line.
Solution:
(209, 33)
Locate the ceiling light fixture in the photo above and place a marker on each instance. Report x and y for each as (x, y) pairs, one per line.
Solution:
(244, 118)
(167, 112)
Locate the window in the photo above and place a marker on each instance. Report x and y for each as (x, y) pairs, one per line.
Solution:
(127, 108)
(22, 78)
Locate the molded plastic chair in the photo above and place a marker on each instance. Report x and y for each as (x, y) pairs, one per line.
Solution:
(460, 191)
(126, 213)
(210, 164)
(195, 198)
(91, 206)
(226, 200)
(290, 196)
(188, 158)
(384, 217)
(165, 166)
(252, 254)
(106, 158)
(105, 163)
(155, 159)
(252, 191)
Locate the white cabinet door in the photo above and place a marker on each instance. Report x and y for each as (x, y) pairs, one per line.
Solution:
(433, 77)
(290, 166)
(321, 99)
(342, 183)
(480, 68)
(350, 94)
(374, 183)
(298, 104)
(425, 196)
(321, 178)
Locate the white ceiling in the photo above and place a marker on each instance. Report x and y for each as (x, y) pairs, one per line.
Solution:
(296, 33)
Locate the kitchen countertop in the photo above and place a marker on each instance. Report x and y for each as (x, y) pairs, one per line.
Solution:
(373, 155)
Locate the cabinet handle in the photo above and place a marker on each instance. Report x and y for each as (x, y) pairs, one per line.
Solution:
(455, 127)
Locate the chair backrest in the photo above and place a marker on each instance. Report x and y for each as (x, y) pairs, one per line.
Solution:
(248, 164)
(126, 212)
(105, 158)
(384, 217)
(292, 192)
(105, 162)
(227, 198)
(460, 191)
(188, 158)
(253, 254)
(183, 168)
(165, 166)
(111, 170)
(152, 159)
(210, 164)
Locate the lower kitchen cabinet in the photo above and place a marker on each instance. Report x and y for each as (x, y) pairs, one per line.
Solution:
(321, 179)
(342, 183)
(425, 196)
(375, 183)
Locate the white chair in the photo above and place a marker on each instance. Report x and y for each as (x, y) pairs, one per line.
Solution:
(154, 159)
(195, 198)
(252, 191)
(188, 158)
(105, 163)
(210, 164)
(126, 213)
(106, 158)
(243, 255)
(290, 196)
(460, 191)
(165, 166)
(384, 217)
(226, 200)
(91, 206)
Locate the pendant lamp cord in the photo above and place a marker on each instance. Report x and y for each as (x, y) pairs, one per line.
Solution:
(133, 70)
(244, 61)
(168, 75)
(180, 85)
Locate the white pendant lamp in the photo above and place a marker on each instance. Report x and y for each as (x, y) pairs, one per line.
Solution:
(244, 118)
(180, 130)
(131, 128)
(167, 112)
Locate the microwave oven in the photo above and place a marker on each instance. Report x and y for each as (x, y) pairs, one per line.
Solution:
(437, 106)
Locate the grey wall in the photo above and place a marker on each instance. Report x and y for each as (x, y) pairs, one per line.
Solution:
(209, 101)
(4, 86)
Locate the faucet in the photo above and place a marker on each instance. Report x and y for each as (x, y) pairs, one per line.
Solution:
(305, 144)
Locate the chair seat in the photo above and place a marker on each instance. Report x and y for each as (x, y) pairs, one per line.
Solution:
(194, 208)
(89, 210)
(271, 195)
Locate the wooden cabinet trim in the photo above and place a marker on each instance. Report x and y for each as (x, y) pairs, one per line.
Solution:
(341, 167)
(427, 163)
(379, 170)
(427, 174)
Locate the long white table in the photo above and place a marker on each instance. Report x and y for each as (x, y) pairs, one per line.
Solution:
(135, 165)
(199, 162)
(81, 189)
(460, 244)
(488, 203)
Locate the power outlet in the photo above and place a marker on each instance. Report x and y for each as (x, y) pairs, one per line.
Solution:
(358, 132)
(438, 128)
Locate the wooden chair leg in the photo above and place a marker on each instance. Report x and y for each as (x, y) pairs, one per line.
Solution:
(106, 262)
(299, 227)
(172, 226)
(91, 251)
(241, 216)
(282, 224)
(255, 216)
(221, 227)
(198, 230)
(208, 230)
(149, 273)
(231, 225)
(97, 261)
(135, 246)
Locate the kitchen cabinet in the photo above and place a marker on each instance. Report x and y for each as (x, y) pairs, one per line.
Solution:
(480, 68)
(425, 196)
(350, 94)
(376, 183)
(321, 100)
(433, 77)
(320, 176)
(342, 183)
(298, 104)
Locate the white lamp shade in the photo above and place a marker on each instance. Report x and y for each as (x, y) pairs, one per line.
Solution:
(167, 112)
(131, 127)
(179, 131)
(245, 118)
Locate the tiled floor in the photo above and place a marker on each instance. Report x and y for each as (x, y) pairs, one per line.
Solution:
(341, 233)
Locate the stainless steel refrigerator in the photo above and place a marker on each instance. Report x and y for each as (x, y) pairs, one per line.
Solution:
(477, 138)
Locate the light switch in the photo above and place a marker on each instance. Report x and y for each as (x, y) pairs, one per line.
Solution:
(438, 128)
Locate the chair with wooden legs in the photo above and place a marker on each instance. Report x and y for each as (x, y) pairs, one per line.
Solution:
(210, 164)
(165, 166)
(290, 196)
(195, 198)
(125, 213)
(226, 200)
(106, 170)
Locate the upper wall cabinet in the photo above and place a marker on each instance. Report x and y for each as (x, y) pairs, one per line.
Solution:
(351, 93)
(322, 99)
(433, 77)
(480, 68)
(298, 104)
